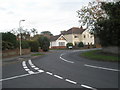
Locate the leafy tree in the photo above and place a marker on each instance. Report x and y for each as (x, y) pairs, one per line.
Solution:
(80, 44)
(44, 43)
(46, 32)
(89, 14)
(34, 45)
(108, 28)
(69, 44)
(34, 31)
(10, 39)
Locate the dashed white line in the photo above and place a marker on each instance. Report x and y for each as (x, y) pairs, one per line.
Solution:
(85, 86)
(24, 64)
(49, 73)
(36, 68)
(33, 66)
(66, 60)
(40, 71)
(30, 62)
(101, 67)
(27, 69)
(70, 81)
(58, 76)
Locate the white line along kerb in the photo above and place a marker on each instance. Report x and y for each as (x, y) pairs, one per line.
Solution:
(101, 67)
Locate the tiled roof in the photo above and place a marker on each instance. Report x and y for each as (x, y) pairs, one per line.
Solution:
(53, 38)
(74, 30)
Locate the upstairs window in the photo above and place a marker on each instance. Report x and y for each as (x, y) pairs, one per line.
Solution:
(75, 36)
(84, 36)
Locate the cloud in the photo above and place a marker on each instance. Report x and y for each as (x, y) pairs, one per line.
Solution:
(52, 15)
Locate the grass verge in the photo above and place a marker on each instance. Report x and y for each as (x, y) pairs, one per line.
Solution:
(37, 54)
(99, 55)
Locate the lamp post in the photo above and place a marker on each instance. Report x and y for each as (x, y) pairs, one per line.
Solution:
(20, 36)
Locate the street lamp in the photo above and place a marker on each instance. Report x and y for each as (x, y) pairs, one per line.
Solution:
(20, 35)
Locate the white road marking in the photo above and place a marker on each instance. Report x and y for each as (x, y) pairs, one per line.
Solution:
(33, 66)
(27, 69)
(36, 68)
(24, 64)
(30, 62)
(66, 60)
(101, 67)
(14, 77)
(49, 73)
(58, 76)
(70, 81)
(40, 71)
(30, 72)
(85, 86)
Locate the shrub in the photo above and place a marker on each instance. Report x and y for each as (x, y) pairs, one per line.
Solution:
(7, 45)
(25, 44)
(9, 38)
(34, 45)
(69, 44)
(80, 44)
(44, 43)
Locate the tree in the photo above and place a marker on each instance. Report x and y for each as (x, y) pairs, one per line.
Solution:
(44, 43)
(34, 31)
(46, 32)
(108, 28)
(34, 45)
(69, 44)
(89, 15)
(80, 44)
(9, 39)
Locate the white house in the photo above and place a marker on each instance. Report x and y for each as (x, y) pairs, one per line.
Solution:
(58, 41)
(73, 35)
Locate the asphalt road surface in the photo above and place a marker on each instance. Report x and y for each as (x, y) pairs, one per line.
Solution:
(60, 69)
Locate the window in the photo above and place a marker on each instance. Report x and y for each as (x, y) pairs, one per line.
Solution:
(75, 36)
(61, 43)
(91, 36)
(84, 36)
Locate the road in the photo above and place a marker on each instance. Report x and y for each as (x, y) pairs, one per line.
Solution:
(60, 69)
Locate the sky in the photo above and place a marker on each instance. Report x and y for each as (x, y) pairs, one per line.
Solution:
(43, 15)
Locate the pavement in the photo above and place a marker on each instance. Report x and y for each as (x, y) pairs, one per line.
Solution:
(60, 69)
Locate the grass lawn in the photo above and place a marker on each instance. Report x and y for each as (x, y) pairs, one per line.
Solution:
(99, 55)
(37, 54)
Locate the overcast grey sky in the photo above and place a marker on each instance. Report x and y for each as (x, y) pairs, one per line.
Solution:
(44, 15)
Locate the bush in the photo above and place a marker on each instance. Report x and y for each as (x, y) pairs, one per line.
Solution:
(69, 44)
(34, 45)
(80, 44)
(25, 44)
(7, 45)
(44, 43)
(9, 40)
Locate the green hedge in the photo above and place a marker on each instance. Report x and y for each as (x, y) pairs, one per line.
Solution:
(34, 45)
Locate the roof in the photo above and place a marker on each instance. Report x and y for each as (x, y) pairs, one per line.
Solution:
(74, 30)
(53, 38)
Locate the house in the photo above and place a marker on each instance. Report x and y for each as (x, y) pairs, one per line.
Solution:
(74, 35)
(58, 41)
